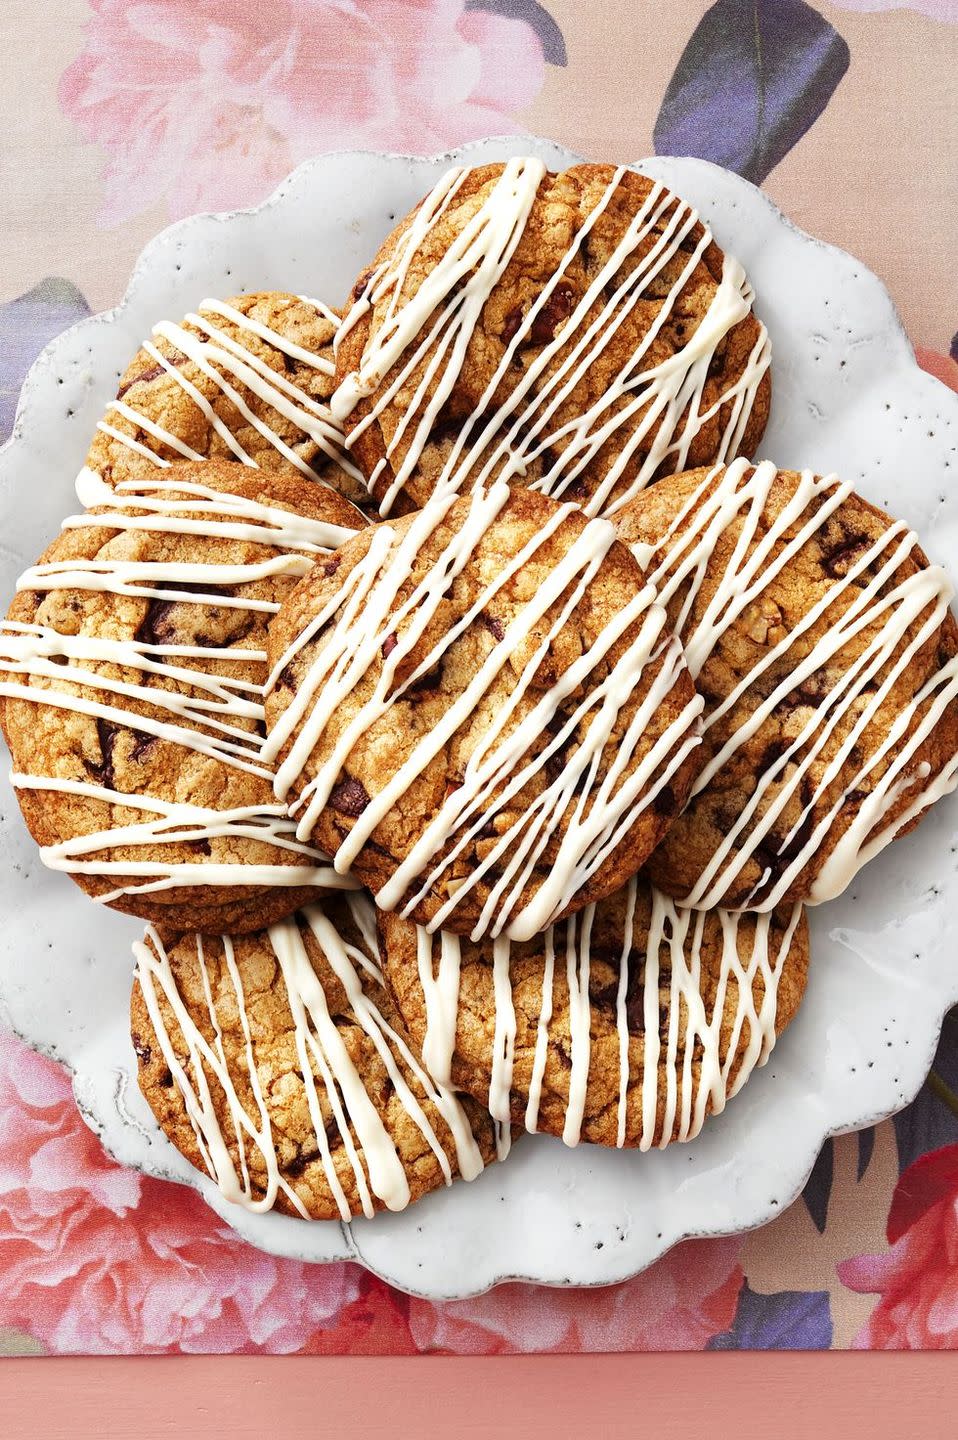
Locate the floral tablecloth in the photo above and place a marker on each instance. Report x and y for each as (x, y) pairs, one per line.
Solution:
(118, 115)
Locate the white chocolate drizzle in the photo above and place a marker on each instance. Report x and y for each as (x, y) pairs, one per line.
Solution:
(652, 409)
(882, 608)
(588, 812)
(233, 368)
(688, 1075)
(219, 716)
(325, 1068)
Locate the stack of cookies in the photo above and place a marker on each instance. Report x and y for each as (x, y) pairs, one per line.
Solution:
(468, 717)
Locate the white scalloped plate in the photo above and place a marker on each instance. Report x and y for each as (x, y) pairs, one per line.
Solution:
(848, 396)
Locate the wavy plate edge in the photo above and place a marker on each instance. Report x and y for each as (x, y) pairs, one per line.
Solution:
(893, 329)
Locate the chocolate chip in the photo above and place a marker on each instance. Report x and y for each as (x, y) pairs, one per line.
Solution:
(332, 565)
(302, 1158)
(773, 752)
(349, 797)
(427, 684)
(512, 322)
(664, 802)
(143, 1052)
(557, 308)
(142, 745)
(152, 373)
(492, 624)
(805, 694)
(717, 364)
(106, 734)
(157, 627)
(635, 994)
(838, 561)
(166, 1079)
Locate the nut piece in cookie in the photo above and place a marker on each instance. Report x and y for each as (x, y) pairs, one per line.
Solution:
(580, 333)
(821, 640)
(480, 710)
(245, 379)
(626, 1024)
(132, 670)
(276, 1063)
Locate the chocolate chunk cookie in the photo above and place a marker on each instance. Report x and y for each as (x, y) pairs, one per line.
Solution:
(627, 1024)
(821, 640)
(245, 379)
(132, 670)
(480, 710)
(277, 1063)
(580, 333)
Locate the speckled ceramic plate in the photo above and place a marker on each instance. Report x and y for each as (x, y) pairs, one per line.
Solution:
(848, 396)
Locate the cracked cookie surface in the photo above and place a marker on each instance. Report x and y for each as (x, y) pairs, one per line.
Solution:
(578, 332)
(822, 643)
(627, 1024)
(277, 1063)
(481, 711)
(132, 666)
(245, 379)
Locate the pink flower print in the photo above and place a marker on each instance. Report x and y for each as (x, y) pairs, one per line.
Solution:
(97, 1259)
(680, 1303)
(207, 104)
(917, 1280)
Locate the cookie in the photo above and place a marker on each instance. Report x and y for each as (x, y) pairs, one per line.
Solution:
(821, 640)
(276, 1062)
(245, 379)
(132, 670)
(580, 333)
(626, 1024)
(480, 710)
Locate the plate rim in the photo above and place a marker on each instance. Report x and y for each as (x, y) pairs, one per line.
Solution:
(30, 392)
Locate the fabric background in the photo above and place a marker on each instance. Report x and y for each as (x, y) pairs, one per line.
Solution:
(119, 115)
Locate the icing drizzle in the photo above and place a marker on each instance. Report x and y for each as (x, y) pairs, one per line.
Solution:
(219, 716)
(595, 810)
(881, 608)
(424, 337)
(668, 1077)
(324, 1067)
(233, 368)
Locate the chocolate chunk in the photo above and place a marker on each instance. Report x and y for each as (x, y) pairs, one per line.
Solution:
(349, 797)
(557, 308)
(839, 560)
(664, 801)
(512, 322)
(156, 627)
(152, 373)
(427, 684)
(635, 996)
(103, 772)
